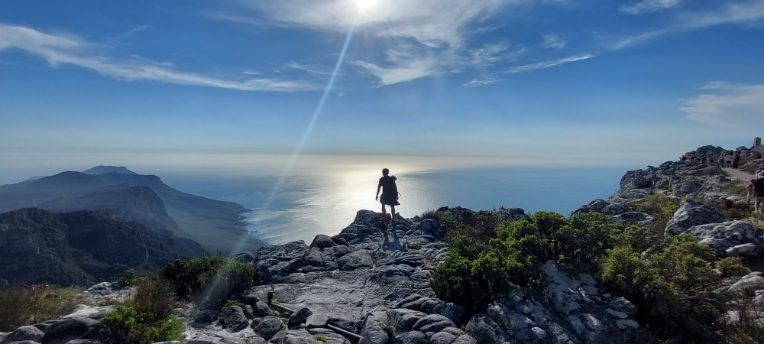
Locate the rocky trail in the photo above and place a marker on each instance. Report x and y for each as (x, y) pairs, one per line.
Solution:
(738, 175)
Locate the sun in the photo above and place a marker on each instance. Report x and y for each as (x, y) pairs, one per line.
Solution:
(365, 6)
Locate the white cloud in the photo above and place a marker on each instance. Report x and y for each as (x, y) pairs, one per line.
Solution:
(648, 6)
(727, 104)
(550, 63)
(430, 22)
(554, 41)
(404, 64)
(730, 13)
(63, 49)
(424, 37)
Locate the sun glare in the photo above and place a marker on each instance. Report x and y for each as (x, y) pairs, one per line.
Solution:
(365, 6)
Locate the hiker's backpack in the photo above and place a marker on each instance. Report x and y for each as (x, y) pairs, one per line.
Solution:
(392, 186)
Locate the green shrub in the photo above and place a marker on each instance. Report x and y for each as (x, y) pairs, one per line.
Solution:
(672, 288)
(659, 206)
(731, 266)
(126, 325)
(415, 245)
(217, 277)
(232, 302)
(128, 279)
(23, 305)
(469, 276)
(147, 316)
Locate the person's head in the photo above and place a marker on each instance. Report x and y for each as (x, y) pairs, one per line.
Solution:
(385, 171)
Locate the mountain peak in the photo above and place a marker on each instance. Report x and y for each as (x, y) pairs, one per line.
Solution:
(109, 169)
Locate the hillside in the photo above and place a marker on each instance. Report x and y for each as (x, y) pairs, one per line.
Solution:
(81, 247)
(135, 197)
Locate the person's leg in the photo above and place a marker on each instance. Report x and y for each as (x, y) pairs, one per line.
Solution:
(392, 212)
(384, 210)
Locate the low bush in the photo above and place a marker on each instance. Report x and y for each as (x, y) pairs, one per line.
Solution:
(731, 267)
(217, 277)
(672, 287)
(147, 316)
(483, 261)
(23, 305)
(659, 206)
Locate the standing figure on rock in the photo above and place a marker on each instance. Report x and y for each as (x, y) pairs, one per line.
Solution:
(389, 193)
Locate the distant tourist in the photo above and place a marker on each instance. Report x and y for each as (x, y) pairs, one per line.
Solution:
(721, 160)
(758, 189)
(736, 160)
(728, 160)
(389, 193)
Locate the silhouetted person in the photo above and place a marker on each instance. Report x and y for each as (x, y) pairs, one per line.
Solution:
(389, 193)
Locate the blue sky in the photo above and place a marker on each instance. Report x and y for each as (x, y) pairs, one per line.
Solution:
(581, 81)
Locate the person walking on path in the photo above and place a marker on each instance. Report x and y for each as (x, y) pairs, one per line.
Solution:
(389, 193)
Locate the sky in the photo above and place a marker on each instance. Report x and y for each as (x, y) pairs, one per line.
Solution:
(582, 82)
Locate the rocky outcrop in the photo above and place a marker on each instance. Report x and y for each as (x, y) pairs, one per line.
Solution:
(692, 213)
(733, 238)
(571, 309)
(620, 212)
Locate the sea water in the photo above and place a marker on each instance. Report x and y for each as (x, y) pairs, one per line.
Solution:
(325, 202)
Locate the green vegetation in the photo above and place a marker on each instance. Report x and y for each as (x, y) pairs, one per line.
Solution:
(673, 281)
(147, 317)
(23, 305)
(480, 265)
(415, 245)
(659, 206)
(218, 277)
(671, 286)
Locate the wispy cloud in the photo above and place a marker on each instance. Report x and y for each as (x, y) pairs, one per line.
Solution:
(727, 104)
(319, 71)
(550, 63)
(554, 41)
(423, 38)
(405, 63)
(729, 13)
(64, 49)
(649, 6)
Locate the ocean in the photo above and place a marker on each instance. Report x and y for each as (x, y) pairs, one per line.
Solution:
(306, 204)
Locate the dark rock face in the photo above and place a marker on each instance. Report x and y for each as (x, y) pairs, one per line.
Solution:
(78, 247)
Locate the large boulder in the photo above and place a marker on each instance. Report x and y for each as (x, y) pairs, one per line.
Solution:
(22, 333)
(268, 327)
(233, 318)
(733, 238)
(485, 330)
(64, 329)
(752, 281)
(375, 329)
(356, 259)
(692, 213)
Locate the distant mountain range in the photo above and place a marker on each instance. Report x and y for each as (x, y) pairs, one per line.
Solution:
(81, 247)
(132, 197)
